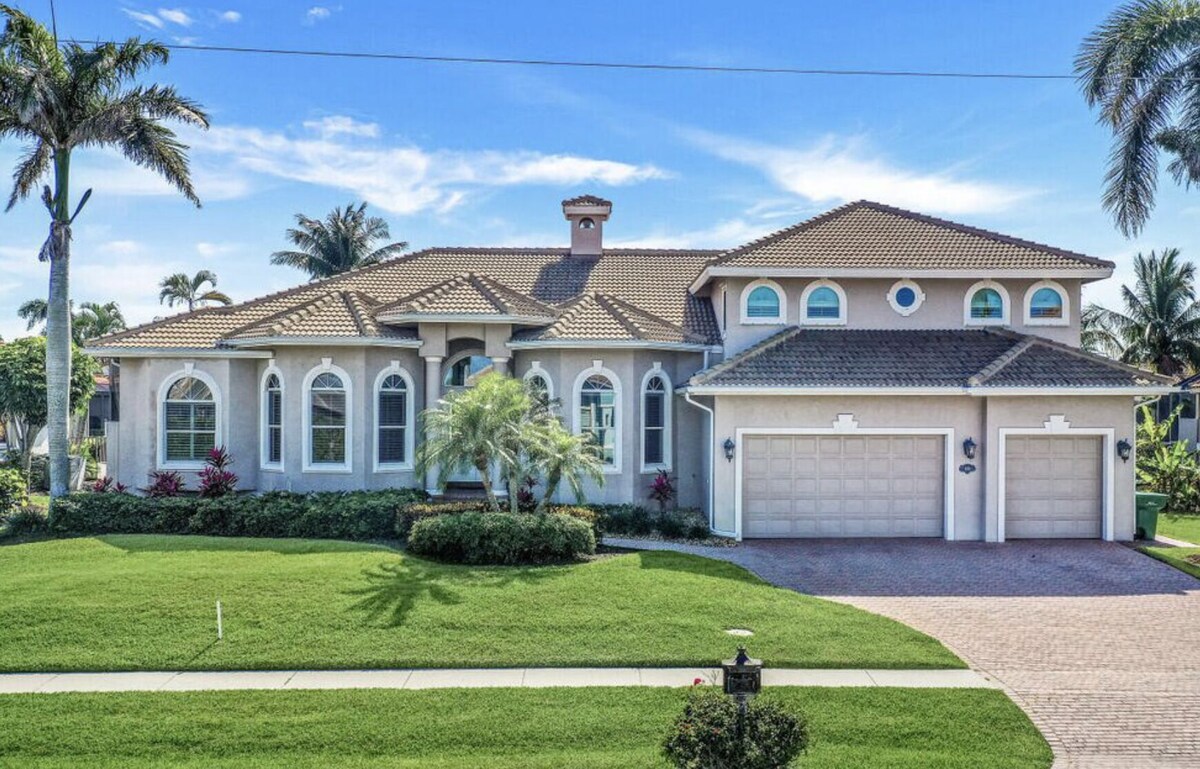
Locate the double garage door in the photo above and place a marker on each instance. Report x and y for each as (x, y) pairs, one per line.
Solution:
(894, 486)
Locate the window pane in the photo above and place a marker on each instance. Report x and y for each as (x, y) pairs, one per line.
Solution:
(763, 302)
(824, 303)
(275, 444)
(987, 304)
(328, 445)
(275, 408)
(178, 416)
(654, 409)
(328, 409)
(393, 408)
(202, 443)
(1046, 303)
(654, 446)
(204, 416)
(391, 444)
(327, 381)
(179, 446)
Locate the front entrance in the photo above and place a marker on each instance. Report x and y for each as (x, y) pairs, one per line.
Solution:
(462, 371)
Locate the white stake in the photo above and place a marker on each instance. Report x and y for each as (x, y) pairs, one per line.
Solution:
(220, 630)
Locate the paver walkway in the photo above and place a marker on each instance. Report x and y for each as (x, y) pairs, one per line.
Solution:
(169, 681)
(1098, 643)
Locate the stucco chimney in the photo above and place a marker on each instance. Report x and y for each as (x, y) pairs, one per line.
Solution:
(587, 214)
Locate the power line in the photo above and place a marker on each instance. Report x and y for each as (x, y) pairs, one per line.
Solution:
(652, 66)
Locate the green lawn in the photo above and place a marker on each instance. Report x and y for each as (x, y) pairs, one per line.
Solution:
(40, 500)
(148, 602)
(496, 728)
(1185, 527)
(1185, 559)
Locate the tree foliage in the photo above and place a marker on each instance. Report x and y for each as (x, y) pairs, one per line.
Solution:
(1164, 467)
(93, 320)
(346, 239)
(181, 288)
(23, 386)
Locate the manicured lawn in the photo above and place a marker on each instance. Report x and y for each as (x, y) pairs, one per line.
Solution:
(500, 728)
(1183, 558)
(148, 602)
(1185, 527)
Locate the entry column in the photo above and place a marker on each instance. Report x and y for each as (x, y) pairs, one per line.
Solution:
(433, 391)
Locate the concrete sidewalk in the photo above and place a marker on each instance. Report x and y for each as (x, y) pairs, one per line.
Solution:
(167, 681)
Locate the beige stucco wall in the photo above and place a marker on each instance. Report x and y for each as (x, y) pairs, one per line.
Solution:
(867, 307)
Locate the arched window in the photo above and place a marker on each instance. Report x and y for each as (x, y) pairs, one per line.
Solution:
(272, 416)
(1046, 304)
(656, 421)
(987, 304)
(763, 302)
(189, 421)
(598, 415)
(328, 421)
(393, 417)
(823, 303)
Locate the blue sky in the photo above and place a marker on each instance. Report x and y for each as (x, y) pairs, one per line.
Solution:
(454, 154)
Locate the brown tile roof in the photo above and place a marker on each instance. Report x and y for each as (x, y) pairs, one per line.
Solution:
(867, 235)
(600, 316)
(976, 358)
(332, 314)
(469, 294)
(654, 280)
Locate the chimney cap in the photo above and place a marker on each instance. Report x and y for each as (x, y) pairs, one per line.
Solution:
(586, 200)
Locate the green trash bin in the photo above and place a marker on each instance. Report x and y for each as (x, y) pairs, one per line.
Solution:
(1148, 507)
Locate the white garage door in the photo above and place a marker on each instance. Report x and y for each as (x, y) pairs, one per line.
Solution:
(1053, 487)
(833, 486)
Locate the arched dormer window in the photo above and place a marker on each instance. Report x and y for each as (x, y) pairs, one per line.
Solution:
(271, 412)
(393, 419)
(986, 304)
(763, 301)
(656, 420)
(823, 303)
(1046, 304)
(327, 420)
(188, 420)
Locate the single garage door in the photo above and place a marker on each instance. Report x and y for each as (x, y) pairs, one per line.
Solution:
(1053, 487)
(832, 486)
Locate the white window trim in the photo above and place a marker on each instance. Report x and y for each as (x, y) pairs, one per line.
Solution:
(264, 442)
(668, 408)
(1004, 300)
(840, 320)
(535, 369)
(1065, 320)
(906, 311)
(306, 420)
(189, 370)
(779, 292)
(409, 421)
(1058, 425)
(846, 424)
(597, 367)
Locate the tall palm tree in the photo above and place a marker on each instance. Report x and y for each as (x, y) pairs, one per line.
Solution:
(181, 289)
(58, 99)
(95, 320)
(1160, 327)
(345, 240)
(33, 313)
(1140, 67)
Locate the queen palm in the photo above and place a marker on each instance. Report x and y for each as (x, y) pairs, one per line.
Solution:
(1160, 327)
(346, 239)
(1141, 67)
(58, 99)
(95, 320)
(33, 313)
(182, 289)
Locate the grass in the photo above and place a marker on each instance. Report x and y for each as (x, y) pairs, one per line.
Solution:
(1186, 559)
(499, 728)
(40, 500)
(1184, 527)
(148, 603)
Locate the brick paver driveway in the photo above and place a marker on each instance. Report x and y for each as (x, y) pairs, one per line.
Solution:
(1097, 642)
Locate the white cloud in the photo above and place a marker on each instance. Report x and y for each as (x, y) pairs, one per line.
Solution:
(189, 40)
(724, 234)
(144, 19)
(333, 125)
(213, 250)
(837, 169)
(403, 179)
(120, 247)
(175, 16)
(318, 13)
(229, 17)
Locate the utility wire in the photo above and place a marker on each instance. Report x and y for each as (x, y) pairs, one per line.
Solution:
(583, 64)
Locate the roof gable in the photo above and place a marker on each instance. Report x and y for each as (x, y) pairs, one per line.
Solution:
(468, 294)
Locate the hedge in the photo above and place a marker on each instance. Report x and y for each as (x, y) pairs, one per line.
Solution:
(502, 538)
(355, 515)
(417, 511)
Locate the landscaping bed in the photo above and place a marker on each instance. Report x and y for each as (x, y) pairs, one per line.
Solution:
(502, 728)
(136, 602)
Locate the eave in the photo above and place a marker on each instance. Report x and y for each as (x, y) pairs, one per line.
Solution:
(1087, 275)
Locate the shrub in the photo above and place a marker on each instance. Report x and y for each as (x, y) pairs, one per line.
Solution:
(12, 490)
(165, 483)
(711, 734)
(25, 522)
(39, 473)
(216, 480)
(416, 511)
(588, 515)
(626, 519)
(501, 538)
(107, 484)
(662, 490)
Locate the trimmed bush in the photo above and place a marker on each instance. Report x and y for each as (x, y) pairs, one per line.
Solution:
(417, 511)
(25, 522)
(356, 515)
(12, 490)
(501, 538)
(711, 734)
(637, 521)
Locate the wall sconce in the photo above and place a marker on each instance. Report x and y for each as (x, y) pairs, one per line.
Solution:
(729, 446)
(1124, 449)
(969, 447)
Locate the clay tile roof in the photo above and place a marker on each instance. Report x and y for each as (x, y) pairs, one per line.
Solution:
(333, 314)
(586, 200)
(469, 294)
(961, 358)
(869, 235)
(600, 317)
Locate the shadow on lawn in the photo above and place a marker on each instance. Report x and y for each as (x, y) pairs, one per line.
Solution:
(172, 543)
(698, 565)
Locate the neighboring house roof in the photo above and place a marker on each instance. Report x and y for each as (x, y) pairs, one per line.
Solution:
(469, 294)
(871, 236)
(600, 316)
(653, 280)
(959, 359)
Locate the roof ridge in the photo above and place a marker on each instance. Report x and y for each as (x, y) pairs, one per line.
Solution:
(1090, 356)
(753, 351)
(788, 230)
(633, 310)
(616, 311)
(1005, 358)
(275, 319)
(348, 302)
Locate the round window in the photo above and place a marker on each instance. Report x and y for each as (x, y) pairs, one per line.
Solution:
(905, 297)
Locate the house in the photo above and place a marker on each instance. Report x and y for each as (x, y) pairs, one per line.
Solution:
(868, 372)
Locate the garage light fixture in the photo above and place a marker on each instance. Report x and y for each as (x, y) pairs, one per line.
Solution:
(1124, 449)
(969, 447)
(729, 446)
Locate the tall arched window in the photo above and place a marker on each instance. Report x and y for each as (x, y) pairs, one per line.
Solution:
(189, 421)
(327, 421)
(656, 421)
(393, 420)
(272, 416)
(598, 415)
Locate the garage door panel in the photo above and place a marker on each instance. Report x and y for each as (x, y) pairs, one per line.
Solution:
(845, 486)
(1053, 487)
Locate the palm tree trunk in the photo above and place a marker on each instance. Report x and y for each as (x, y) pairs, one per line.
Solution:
(552, 481)
(58, 329)
(485, 477)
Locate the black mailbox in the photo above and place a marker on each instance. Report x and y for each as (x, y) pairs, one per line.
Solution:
(743, 676)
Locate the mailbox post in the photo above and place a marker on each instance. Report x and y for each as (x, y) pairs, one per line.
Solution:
(742, 680)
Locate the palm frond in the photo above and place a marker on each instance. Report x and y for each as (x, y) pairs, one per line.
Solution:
(31, 167)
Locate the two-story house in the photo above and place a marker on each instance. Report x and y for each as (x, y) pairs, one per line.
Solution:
(868, 372)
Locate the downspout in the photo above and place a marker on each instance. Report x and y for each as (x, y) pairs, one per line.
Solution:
(712, 431)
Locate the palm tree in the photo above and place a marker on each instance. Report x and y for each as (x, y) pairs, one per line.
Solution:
(61, 98)
(181, 289)
(95, 320)
(1160, 327)
(33, 313)
(1140, 66)
(564, 456)
(345, 240)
